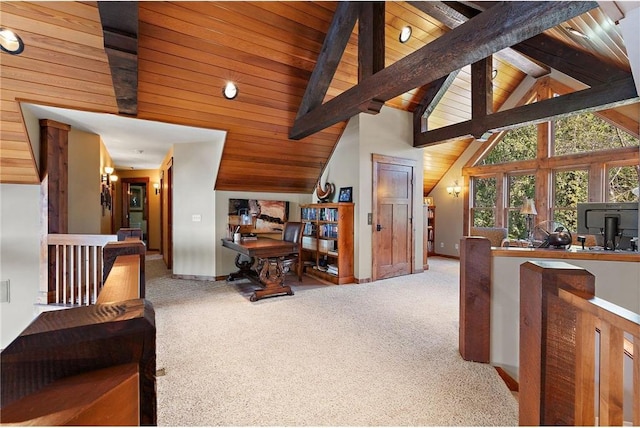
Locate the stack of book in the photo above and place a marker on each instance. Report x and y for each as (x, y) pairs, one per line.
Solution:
(332, 269)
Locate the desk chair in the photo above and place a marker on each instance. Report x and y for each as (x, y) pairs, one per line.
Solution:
(292, 232)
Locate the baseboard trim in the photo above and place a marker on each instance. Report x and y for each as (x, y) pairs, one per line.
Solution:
(195, 277)
(511, 383)
(446, 256)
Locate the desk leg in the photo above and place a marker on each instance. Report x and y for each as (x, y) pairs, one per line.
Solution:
(244, 267)
(271, 273)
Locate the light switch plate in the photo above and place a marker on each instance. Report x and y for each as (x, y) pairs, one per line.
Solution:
(4, 291)
(196, 217)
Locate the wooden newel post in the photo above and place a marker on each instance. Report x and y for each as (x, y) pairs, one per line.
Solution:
(475, 299)
(548, 341)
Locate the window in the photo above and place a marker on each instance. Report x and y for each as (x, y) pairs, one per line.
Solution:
(484, 201)
(569, 188)
(587, 133)
(623, 184)
(520, 187)
(517, 144)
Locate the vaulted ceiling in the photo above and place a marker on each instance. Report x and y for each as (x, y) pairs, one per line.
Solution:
(187, 51)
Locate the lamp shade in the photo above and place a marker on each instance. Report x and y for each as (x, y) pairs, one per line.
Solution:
(529, 207)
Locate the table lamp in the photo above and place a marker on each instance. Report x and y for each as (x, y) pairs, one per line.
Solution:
(529, 209)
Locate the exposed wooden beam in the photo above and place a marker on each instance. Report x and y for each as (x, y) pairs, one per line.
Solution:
(481, 92)
(120, 29)
(605, 95)
(370, 39)
(503, 25)
(432, 96)
(333, 47)
(371, 46)
(453, 14)
(580, 65)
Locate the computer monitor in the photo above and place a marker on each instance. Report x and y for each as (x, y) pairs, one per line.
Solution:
(592, 215)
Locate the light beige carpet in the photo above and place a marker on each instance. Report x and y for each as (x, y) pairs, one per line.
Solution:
(377, 354)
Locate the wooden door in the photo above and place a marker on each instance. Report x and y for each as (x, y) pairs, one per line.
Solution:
(392, 219)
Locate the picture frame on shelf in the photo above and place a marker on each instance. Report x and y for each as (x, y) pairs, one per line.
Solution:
(345, 194)
(428, 201)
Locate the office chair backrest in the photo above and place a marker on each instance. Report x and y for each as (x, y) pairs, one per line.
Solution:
(292, 231)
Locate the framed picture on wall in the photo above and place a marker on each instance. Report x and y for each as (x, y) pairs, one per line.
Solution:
(135, 199)
(345, 194)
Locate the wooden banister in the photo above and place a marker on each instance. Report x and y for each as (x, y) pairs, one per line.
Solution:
(560, 318)
(547, 342)
(612, 322)
(80, 340)
(74, 268)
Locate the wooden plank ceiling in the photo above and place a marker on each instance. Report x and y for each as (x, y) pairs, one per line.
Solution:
(187, 51)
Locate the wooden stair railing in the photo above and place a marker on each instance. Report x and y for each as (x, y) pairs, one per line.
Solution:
(559, 318)
(111, 345)
(612, 323)
(75, 266)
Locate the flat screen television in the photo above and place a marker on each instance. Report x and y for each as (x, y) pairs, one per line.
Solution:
(591, 220)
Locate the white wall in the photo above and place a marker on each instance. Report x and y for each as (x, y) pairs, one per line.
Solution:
(85, 211)
(388, 133)
(195, 167)
(449, 212)
(225, 258)
(19, 256)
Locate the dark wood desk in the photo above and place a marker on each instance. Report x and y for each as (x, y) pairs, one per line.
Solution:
(270, 269)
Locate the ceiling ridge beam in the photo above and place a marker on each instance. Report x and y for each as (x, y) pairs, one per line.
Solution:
(119, 20)
(503, 25)
(603, 96)
(335, 42)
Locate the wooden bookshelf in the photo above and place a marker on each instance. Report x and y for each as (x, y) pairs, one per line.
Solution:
(327, 241)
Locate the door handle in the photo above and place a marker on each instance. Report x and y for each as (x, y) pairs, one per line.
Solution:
(379, 228)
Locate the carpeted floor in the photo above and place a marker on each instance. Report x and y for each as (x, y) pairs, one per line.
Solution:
(377, 354)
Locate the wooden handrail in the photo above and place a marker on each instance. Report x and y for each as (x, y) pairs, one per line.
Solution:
(612, 322)
(123, 282)
(559, 319)
(78, 341)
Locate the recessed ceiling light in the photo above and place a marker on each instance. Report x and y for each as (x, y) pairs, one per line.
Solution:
(576, 32)
(230, 91)
(405, 34)
(10, 42)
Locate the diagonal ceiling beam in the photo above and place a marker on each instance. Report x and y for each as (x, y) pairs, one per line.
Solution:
(335, 42)
(452, 18)
(119, 21)
(503, 25)
(432, 96)
(605, 95)
(580, 65)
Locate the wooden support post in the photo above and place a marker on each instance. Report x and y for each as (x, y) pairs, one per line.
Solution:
(548, 341)
(54, 177)
(475, 299)
(123, 248)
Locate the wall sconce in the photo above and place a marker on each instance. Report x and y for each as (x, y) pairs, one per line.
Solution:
(107, 179)
(156, 186)
(454, 190)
